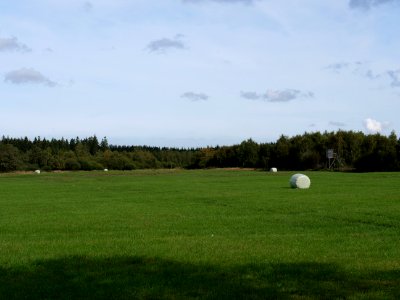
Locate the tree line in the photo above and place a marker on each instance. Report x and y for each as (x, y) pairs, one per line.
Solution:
(353, 151)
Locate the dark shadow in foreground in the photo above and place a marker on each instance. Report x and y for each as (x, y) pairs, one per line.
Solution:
(155, 278)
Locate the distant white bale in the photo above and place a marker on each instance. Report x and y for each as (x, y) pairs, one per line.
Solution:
(300, 181)
(105, 170)
(274, 170)
(37, 171)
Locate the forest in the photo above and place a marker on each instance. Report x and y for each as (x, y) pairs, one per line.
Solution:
(353, 151)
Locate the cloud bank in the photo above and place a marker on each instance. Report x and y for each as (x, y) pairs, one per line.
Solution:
(25, 76)
(194, 97)
(12, 44)
(285, 95)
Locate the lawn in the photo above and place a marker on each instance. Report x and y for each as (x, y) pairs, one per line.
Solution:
(201, 234)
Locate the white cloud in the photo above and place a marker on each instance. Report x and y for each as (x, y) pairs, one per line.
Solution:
(222, 1)
(12, 44)
(354, 66)
(88, 6)
(195, 96)
(394, 76)
(164, 44)
(371, 75)
(282, 95)
(374, 126)
(25, 76)
(250, 95)
(337, 124)
(336, 67)
(367, 4)
(277, 95)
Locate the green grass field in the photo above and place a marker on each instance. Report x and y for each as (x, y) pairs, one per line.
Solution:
(204, 234)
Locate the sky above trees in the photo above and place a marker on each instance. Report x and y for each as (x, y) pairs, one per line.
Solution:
(189, 73)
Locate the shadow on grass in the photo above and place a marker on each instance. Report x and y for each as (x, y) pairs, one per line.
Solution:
(154, 278)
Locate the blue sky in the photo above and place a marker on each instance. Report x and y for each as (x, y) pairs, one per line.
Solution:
(198, 72)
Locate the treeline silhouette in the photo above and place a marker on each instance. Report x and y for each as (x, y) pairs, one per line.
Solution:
(353, 151)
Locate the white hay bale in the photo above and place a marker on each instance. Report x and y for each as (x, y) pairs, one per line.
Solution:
(273, 170)
(105, 170)
(300, 181)
(37, 171)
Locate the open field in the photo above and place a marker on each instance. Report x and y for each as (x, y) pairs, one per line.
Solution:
(209, 234)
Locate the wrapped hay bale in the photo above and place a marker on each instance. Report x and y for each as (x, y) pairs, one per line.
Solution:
(37, 171)
(300, 181)
(273, 170)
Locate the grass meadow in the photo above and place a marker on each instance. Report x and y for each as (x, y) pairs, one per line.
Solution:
(201, 234)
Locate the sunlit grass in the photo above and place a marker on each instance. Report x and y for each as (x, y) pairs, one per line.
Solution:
(199, 234)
